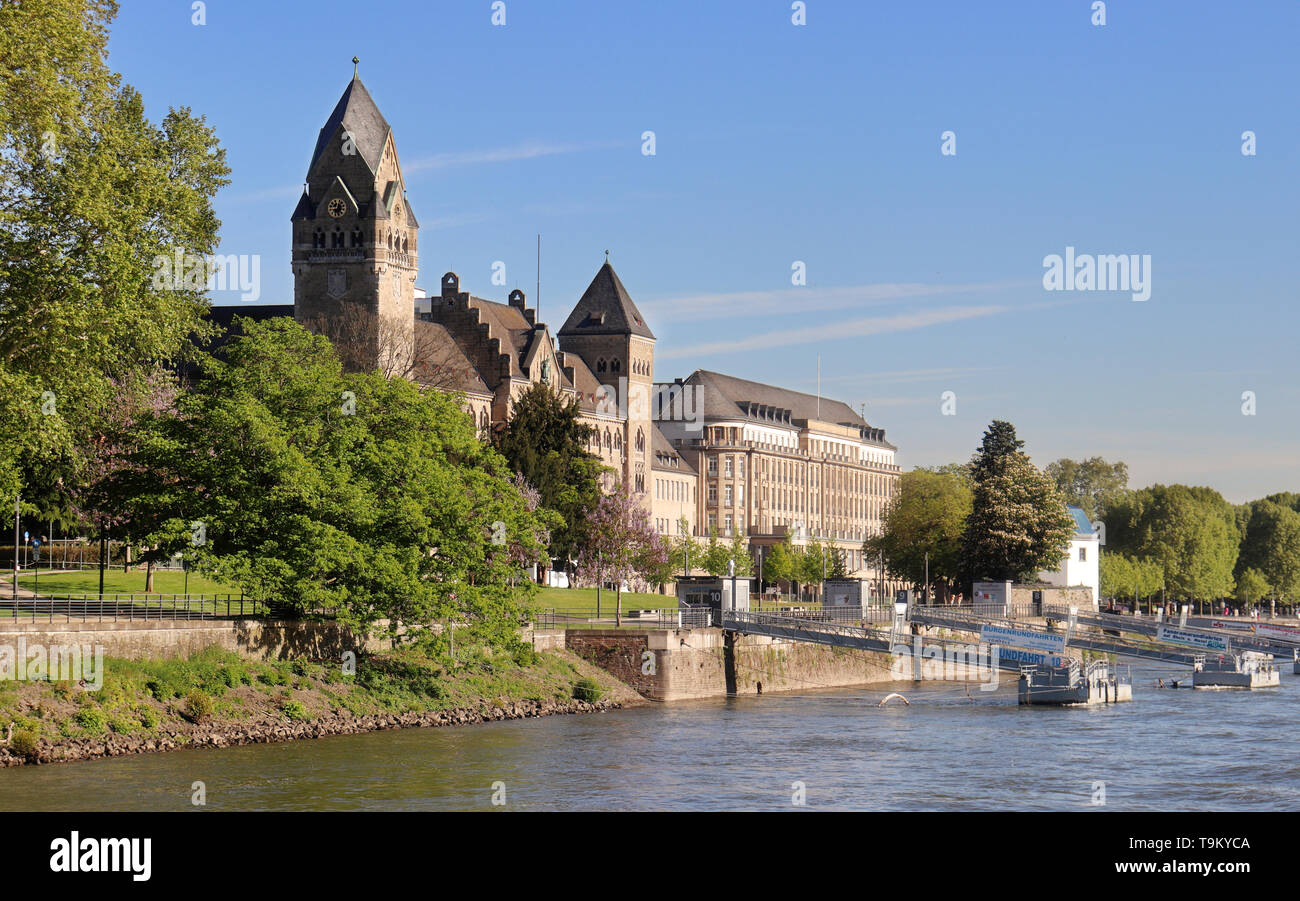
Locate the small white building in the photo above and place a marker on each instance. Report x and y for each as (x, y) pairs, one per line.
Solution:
(1082, 565)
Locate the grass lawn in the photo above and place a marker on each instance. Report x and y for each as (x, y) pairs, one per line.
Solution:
(584, 599)
(86, 581)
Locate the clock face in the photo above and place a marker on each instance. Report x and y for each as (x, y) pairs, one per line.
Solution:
(337, 208)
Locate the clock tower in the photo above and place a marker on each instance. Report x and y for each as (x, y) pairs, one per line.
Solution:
(354, 240)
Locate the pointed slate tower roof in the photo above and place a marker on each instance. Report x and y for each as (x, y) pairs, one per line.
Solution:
(605, 309)
(358, 114)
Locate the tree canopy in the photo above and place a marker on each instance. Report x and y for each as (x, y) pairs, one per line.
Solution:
(1018, 523)
(546, 443)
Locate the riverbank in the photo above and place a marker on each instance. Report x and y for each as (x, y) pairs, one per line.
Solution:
(219, 699)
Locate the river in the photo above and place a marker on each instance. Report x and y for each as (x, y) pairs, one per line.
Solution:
(1168, 750)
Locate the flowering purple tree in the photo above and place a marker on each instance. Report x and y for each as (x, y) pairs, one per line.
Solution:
(621, 544)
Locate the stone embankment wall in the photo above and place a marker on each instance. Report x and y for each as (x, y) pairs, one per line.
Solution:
(672, 665)
(161, 639)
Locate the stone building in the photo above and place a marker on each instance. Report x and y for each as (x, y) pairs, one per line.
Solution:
(745, 458)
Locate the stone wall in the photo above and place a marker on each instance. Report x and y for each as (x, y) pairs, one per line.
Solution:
(1053, 595)
(692, 663)
(161, 639)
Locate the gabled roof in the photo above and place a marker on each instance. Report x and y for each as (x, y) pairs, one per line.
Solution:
(605, 309)
(356, 112)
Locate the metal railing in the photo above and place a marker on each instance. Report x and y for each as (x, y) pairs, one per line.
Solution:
(130, 608)
(654, 618)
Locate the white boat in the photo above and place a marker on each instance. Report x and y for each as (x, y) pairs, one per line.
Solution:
(1249, 669)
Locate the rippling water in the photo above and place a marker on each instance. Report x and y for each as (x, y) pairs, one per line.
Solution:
(1168, 750)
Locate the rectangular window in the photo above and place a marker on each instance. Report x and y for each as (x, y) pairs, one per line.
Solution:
(742, 467)
(728, 524)
(1083, 555)
(713, 466)
(729, 495)
(726, 466)
(713, 494)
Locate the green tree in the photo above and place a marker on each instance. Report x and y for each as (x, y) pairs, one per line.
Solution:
(354, 493)
(779, 562)
(546, 443)
(838, 564)
(685, 552)
(716, 556)
(1018, 523)
(1252, 587)
(1092, 484)
(925, 518)
(1191, 533)
(738, 553)
(92, 196)
(1271, 545)
(1118, 577)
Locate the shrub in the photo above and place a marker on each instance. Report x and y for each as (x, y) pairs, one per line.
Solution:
(588, 690)
(92, 719)
(25, 744)
(197, 706)
(148, 717)
(295, 710)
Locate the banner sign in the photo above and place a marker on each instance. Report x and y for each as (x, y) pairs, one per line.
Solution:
(1278, 633)
(1191, 639)
(1015, 655)
(1004, 635)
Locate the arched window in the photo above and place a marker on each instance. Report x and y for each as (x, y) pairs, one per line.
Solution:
(405, 244)
(338, 238)
(358, 239)
(483, 420)
(640, 441)
(600, 365)
(613, 367)
(618, 441)
(318, 240)
(609, 442)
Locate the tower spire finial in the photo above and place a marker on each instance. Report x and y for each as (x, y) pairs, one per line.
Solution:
(607, 256)
(355, 61)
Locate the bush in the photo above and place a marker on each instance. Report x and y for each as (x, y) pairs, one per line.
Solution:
(25, 744)
(588, 690)
(295, 710)
(148, 717)
(197, 706)
(92, 719)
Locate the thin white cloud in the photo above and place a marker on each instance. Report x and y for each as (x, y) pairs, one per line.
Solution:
(791, 301)
(529, 150)
(912, 375)
(853, 328)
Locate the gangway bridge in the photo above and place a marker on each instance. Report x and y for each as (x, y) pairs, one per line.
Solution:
(840, 634)
(959, 620)
(1238, 639)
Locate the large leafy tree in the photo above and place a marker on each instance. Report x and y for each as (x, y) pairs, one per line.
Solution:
(353, 493)
(1092, 484)
(1271, 545)
(1018, 522)
(923, 524)
(546, 443)
(1191, 533)
(92, 194)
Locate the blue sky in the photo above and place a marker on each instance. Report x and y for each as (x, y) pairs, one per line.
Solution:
(821, 143)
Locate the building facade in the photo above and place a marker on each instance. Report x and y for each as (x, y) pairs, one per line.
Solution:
(738, 456)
